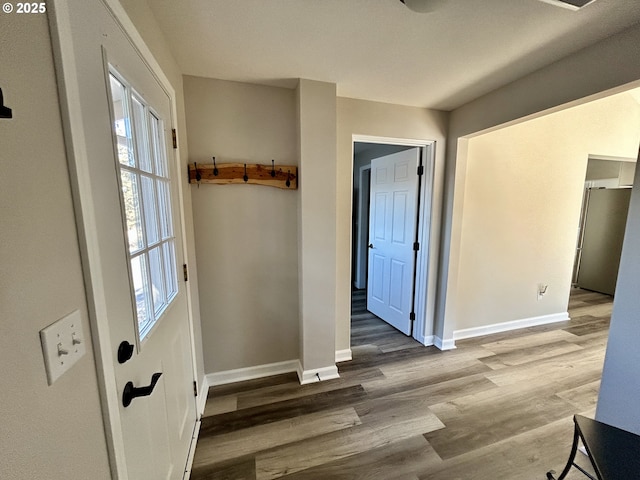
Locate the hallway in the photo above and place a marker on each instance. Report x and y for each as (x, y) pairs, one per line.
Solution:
(497, 407)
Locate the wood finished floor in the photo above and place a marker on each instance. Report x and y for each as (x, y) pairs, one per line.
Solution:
(497, 407)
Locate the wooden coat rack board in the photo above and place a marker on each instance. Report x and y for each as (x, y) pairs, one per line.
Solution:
(280, 176)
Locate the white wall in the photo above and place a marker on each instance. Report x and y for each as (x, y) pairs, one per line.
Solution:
(245, 235)
(609, 64)
(47, 431)
(523, 194)
(360, 117)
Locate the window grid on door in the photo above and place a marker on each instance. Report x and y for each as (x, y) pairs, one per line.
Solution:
(146, 202)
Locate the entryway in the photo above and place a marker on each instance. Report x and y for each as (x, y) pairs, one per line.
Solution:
(392, 193)
(603, 220)
(371, 332)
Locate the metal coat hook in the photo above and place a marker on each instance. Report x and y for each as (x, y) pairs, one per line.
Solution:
(198, 176)
(215, 168)
(5, 112)
(288, 182)
(245, 178)
(273, 169)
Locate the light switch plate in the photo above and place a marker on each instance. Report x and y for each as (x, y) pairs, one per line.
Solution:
(63, 344)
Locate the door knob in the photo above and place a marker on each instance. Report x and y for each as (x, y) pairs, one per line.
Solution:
(371, 245)
(125, 351)
(130, 392)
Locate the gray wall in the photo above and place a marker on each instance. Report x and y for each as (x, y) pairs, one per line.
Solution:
(316, 128)
(246, 235)
(620, 387)
(47, 431)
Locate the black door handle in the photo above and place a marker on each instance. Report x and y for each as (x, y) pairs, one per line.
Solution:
(130, 392)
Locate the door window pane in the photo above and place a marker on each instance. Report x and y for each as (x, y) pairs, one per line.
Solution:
(157, 279)
(170, 268)
(141, 133)
(132, 212)
(122, 127)
(146, 204)
(141, 292)
(164, 203)
(158, 145)
(150, 209)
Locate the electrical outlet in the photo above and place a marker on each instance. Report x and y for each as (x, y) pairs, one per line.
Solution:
(63, 344)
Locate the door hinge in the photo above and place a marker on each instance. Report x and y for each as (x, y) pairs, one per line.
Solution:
(195, 388)
(174, 138)
(421, 170)
(412, 316)
(185, 271)
(416, 246)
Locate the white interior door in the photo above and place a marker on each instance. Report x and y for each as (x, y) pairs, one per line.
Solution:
(392, 227)
(121, 120)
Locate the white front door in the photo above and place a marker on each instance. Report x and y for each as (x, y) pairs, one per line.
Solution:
(392, 228)
(128, 194)
(158, 408)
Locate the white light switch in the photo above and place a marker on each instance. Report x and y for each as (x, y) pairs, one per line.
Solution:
(63, 344)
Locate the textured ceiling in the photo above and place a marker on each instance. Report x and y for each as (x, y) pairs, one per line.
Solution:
(380, 50)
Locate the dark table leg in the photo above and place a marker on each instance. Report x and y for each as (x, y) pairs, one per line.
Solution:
(572, 456)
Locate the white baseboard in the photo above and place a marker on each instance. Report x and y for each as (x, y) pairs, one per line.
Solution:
(508, 326)
(250, 373)
(261, 371)
(343, 355)
(426, 340)
(317, 374)
(444, 344)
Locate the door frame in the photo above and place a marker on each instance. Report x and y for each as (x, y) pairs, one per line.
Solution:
(59, 16)
(614, 182)
(360, 263)
(428, 234)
